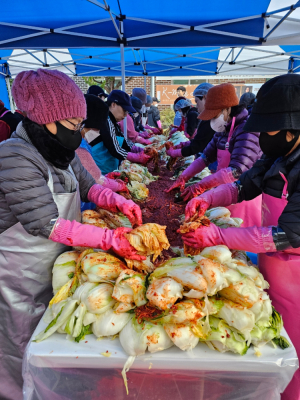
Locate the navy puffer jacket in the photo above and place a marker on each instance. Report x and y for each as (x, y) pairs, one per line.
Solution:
(243, 146)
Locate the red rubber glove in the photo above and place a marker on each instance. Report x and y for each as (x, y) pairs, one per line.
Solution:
(108, 200)
(72, 233)
(224, 175)
(254, 239)
(222, 196)
(197, 166)
(140, 158)
(113, 175)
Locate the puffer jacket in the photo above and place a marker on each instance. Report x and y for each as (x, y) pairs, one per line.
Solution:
(243, 146)
(265, 177)
(24, 194)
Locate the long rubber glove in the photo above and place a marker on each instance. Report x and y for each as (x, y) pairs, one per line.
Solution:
(174, 152)
(72, 233)
(224, 175)
(145, 135)
(254, 239)
(222, 196)
(143, 141)
(140, 158)
(136, 149)
(197, 166)
(181, 145)
(159, 124)
(116, 185)
(105, 198)
(156, 131)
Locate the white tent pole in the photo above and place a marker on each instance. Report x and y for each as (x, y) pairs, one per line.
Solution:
(123, 74)
(152, 86)
(12, 108)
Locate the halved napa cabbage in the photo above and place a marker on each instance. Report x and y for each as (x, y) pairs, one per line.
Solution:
(99, 299)
(110, 323)
(244, 293)
(101, 267)
(130, 288)
(182, 336)
(63, 269)
(164, 292)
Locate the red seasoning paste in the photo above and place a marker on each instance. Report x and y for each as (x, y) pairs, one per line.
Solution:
(160, 207)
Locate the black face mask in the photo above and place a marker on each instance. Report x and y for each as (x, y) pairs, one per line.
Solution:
(277, 146)
(67, 137)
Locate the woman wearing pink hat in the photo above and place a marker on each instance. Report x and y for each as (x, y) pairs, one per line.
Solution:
(41, 184)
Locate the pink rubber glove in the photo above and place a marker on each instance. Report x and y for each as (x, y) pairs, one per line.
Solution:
(140, 158)
(224, 175)
(116, 185)
(136, 149)
(108, 200)
(159, 124)
(174, 152)
(145, 135)
(254, 239)
(222, 196)
(156, 131)
(197, 166)
(172, 131)
(72, 233)
(141, 140)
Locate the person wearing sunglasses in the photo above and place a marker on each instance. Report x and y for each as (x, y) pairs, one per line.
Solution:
(41, 184)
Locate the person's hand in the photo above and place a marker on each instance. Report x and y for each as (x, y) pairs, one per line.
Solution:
(198, 205)
(122, 247)
(122, 186)
(174, 152)
(140, 158)
(132, 211)
(192, 191)
(180, 183)
(204, 236)
(113, 175)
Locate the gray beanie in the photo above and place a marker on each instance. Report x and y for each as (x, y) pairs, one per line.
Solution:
(202, 89)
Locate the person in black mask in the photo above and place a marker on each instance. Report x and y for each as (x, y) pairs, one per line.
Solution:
(276, 114)
(41, 184)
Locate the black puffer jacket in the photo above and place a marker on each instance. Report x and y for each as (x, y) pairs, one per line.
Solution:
(203, 136)
(192, 121)
(264, 177)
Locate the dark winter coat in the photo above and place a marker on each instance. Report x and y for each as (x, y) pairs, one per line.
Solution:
(203, 136)
(192, 121)
(153, 116)
(264, 177)
(24, 194)
(243, 146)
(8, 123)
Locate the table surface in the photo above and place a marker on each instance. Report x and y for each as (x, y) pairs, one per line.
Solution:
(59, 352)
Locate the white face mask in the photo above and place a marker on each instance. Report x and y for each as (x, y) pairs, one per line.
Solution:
(218, 124)
(147, 108)
(155, 105)
(91, 135)
(135, 115)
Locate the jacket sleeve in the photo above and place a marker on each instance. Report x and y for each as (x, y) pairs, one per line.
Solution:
(110, 141)
(245, 150)
(201, 140)
(251, 182)
(289, 221)
(85, 179)
(192, 122)
(23, 181)
(211, 150)
(88, 163)
(156, 114)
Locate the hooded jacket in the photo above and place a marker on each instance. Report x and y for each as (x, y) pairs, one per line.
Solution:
(24, 194)
(243, 146)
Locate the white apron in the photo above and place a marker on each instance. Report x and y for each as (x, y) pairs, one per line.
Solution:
(26, 263)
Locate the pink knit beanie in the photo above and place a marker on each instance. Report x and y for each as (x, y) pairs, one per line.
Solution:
(48, 96)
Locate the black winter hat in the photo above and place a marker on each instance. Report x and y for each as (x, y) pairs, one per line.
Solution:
(97, 112)
(136, 104)
(277, 105)
(96, 91)
(247, 99)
